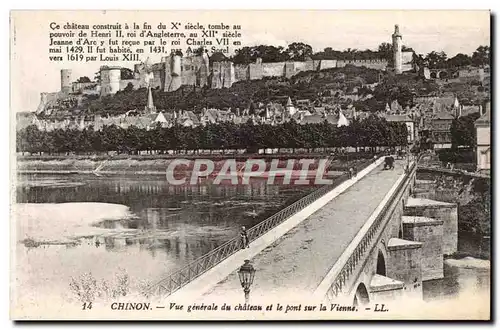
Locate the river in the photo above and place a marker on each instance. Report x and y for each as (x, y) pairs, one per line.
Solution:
(164, 228)
(145, 228)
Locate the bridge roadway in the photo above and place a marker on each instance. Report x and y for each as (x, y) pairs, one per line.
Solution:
(296, 263)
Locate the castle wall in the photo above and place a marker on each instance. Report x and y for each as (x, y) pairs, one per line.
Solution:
(475, 73)
(190, 67)
(327, 64)
(255, 71)
(371, 64)
(303, 66)
(229, 76)
(174, 71)
(77, 87)
(273, 69)
(158, 78)
(202, 76)
(289, 69)
(241, 72)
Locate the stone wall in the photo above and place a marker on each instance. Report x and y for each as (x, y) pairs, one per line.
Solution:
(404, 264)
(241, 72)
(447, 212)
(273, 69)
(429, 232)
(175, 71)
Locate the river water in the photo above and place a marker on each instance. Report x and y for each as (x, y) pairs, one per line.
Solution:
(164, 227)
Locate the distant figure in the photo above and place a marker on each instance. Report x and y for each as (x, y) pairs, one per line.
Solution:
(244, 238)
(97, 243)
(351, 172)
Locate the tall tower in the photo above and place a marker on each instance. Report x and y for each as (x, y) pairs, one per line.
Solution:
(397, 44)
(65, 81)
(110, 80)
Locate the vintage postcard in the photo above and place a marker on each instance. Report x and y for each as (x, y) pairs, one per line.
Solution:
(250, 165)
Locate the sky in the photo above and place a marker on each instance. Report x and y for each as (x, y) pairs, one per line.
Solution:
(450, 31)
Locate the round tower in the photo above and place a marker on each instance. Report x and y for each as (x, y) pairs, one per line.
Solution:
(110, 79)
(65, 81)
(397, 44)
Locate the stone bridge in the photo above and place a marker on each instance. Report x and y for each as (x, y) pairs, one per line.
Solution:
(370, 239)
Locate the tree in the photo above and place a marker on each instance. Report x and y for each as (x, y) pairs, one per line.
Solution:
(459, 60)
(83, 79)
(436, 60)
(481, 56)
(126, 74)
(385, 48)
(299, 51)
(129, 87)
(463, 131)
(243, 55)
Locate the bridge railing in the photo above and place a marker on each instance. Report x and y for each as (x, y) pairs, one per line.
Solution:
(188, 273)
(350, 264)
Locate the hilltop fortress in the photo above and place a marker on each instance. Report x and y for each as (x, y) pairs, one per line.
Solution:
(215, 72)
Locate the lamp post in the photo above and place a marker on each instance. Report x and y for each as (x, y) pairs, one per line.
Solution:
(246, 274)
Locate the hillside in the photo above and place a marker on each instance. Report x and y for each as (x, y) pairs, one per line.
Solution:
(306, 85)
(312, 85)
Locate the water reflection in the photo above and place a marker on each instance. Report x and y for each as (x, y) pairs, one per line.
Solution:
(179, 223)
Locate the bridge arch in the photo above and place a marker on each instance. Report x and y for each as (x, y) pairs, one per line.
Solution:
(381, 266)
(361, 296)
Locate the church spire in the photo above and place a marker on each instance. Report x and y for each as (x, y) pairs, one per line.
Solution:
(150, 107)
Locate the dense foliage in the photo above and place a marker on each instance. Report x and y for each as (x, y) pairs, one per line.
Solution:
(439, 60)
(475, 216)
(371, 132)
(463, 131)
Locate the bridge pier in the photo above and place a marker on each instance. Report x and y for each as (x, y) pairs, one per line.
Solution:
(429, 232)
(383, 288)
(405, 265)
(424, 189)
(446, 212)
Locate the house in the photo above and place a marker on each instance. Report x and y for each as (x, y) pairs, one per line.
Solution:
(441, 130)
(483, 140)
(409, 122)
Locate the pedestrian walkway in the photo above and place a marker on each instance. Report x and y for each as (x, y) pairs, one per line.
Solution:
(297, 262)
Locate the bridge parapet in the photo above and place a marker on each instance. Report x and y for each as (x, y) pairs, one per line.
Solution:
(200, 266)
(340, 281)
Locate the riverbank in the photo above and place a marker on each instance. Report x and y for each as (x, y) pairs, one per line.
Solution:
(147, 166)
